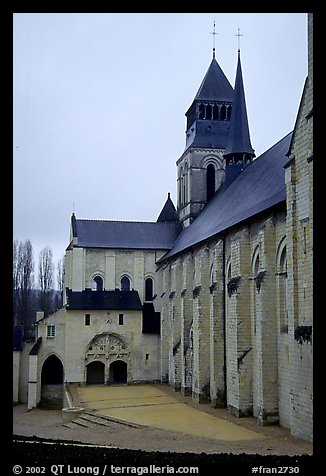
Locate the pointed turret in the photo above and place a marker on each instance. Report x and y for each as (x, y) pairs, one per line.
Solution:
(168, 213)
(239, 147)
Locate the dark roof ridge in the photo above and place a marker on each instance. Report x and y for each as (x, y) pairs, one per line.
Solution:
(115, 221)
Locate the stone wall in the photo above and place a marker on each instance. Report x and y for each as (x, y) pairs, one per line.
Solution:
(299, 190)
(229, 297)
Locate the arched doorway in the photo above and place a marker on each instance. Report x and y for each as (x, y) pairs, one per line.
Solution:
(118, 372)
(95, 373)
(52, 383)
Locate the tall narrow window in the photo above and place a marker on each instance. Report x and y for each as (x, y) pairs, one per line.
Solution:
(181, 187)
(149, 289)
(223, 113)
(201, 111)
(210, 181)
(282, 288)
(125, 283)
(120, 319)
(87, 319)
(255, 271)
(215, 112)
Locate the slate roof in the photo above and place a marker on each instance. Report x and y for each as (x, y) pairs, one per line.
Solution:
(168, 213)
(258, 187)
(36, 347)
(215, 85)
(208, 134)
(125, 234)
(103, 300)
(239, 138)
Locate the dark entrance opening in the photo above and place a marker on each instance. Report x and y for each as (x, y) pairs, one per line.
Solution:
(118, 372)
(95, 373)
(52, 383)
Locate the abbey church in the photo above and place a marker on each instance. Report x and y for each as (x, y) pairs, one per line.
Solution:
(215, 298)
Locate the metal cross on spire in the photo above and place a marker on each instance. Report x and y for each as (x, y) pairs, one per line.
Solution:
(238, 35)
(214, 33)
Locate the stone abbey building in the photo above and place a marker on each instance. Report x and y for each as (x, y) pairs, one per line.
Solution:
(215, 297)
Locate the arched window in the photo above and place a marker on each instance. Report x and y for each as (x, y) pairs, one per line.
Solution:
(255, 297)
(215, 112)
(201, 111)
(211, 274)
(282, 292)
(125, 283)
(256, 265)
(185, 185)
(210, 181)
(181, 201)
(209, 111)
(97, 283)
(229, 272)
(148, 289)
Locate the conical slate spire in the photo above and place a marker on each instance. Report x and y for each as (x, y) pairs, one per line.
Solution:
(239, 137)
(168, 213)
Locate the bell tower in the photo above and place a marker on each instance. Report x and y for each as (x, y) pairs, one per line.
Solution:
(201, 166)
(218, 143)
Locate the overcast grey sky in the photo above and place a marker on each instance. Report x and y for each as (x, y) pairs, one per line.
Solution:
(100, 98)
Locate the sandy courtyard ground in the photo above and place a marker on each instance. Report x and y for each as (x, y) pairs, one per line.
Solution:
(271, 440)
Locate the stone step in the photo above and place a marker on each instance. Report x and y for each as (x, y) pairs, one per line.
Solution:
(72, 425)
(105, 420)
(83, 422)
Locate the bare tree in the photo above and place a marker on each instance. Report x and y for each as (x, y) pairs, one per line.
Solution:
(15, 280)
(23, 284)
(60, 281)
(45, 278)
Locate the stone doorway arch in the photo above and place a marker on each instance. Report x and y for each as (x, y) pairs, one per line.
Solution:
(95, 373)
(118, 372)
(52, 375)
(105, 349)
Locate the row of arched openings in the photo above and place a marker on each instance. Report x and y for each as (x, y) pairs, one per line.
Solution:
(52, 375)
(215, 112)
(125, 285)
(281, 288)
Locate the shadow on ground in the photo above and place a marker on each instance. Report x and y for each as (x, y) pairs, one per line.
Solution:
(67, 457)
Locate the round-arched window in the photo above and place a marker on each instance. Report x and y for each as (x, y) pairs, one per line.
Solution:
(97, 283)
(125, 283)
(149, 285)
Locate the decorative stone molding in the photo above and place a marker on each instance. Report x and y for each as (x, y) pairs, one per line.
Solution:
(196, 292)
(233, 285)
(259, 279)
